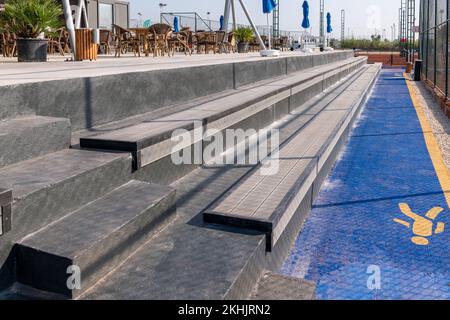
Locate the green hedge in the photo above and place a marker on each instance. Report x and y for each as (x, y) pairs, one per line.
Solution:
(366, 44)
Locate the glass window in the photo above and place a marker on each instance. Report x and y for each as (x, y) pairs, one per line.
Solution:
(441, 56)
(431, 13)
(441, 11)
(105, 15)
(430, 58)
(423, 15)
(448, 58)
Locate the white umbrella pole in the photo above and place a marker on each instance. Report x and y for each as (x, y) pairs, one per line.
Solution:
(69, 24)
(268, 27)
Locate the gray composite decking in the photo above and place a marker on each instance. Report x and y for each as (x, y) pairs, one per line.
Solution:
(266, 201)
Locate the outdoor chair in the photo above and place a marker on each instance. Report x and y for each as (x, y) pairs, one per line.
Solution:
(231, 43)
(179, 42)
(221, 42)
(254, 45)
(105, 41)
(59, 41)
(281, 43)
(9, 44)
(207, 41)
(160, 34)
(125, 41)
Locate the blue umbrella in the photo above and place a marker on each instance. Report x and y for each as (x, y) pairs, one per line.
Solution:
(268, 6)
(221, 22)
(305, 23)
(329, 29)
(176, 27)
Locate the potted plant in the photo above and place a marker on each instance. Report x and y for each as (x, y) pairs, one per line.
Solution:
(243, 36)
(29, 20)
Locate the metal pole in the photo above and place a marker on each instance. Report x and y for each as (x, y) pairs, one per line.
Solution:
(322, 30)
(69, 24)
(226, 15)
(233, 12)
(255, 30)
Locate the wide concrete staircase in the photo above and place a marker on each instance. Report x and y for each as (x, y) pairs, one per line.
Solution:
(109, 202)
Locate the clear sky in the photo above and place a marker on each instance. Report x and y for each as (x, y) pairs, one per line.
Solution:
(363, 17)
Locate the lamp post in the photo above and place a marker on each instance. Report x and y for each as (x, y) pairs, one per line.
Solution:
(208, 14)
(161, 7)
(140, 19)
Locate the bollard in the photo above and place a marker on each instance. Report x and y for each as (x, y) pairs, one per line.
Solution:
(409, 67)
(417, 70)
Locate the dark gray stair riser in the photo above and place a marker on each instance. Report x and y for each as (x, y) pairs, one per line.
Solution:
(29, 137)
(86, 109)
(48, 271)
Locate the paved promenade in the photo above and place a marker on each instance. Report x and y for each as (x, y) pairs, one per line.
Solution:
(379, 228)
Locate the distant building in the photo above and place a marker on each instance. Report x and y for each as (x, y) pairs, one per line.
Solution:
(103, 14)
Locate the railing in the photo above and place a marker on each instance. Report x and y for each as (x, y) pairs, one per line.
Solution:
(195, 22)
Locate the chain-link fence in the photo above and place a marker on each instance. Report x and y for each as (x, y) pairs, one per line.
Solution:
(434, 42)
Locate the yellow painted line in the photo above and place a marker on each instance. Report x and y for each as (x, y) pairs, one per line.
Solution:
(432, 145)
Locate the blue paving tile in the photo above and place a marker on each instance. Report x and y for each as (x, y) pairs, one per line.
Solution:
(352, 225)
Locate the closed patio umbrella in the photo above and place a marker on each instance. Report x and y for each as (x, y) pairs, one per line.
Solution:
(221, 23)
(329, 28)
(305, 22)
(176, 25)
(268, 6)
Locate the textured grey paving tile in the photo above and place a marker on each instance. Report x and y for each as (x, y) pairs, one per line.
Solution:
(90, 224)
(97, 237)
(27, 137)
(273, 286)
(34, 174)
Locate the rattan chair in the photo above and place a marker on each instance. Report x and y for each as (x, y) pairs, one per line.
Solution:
(105, 41)
(160, 34)
(125, 41)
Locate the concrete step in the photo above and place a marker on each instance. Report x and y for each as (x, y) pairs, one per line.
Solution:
(150, 141)
(220, 262)
(95, 238)
(47, 188)
(273, 286)
(267, 202)
(28, 137)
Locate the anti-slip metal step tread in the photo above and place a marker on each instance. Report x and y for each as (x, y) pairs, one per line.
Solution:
(94, 238)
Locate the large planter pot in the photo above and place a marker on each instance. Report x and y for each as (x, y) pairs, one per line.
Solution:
(243, 47)
(32, 50)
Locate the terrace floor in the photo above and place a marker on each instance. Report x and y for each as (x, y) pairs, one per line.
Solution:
(378, 227)
(12, 72)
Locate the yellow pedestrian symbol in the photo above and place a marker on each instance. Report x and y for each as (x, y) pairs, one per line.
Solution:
(422, 227)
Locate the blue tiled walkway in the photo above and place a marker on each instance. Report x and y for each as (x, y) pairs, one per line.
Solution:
(351, 239)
